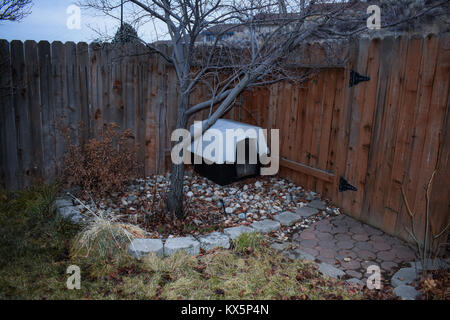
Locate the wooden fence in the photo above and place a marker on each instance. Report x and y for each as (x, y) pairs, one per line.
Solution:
(377, 135)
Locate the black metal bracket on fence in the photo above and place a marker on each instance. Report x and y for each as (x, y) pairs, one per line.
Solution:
(356, 78)
(345, 186)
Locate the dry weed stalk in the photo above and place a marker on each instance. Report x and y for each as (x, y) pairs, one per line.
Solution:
(430, 246)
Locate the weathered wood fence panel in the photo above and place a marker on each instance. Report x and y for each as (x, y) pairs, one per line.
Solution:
(378, 135)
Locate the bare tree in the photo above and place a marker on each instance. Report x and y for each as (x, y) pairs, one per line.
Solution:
(14, 10)
(269, 31)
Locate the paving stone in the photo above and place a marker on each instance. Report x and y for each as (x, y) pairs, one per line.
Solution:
(404, 252)
(331, 271)
(372, 231)
(340, 223)
(214, 240)
(352, 223)
(366, 264)
(325, 227)
(235, 232)
(364, 246)
(382, 238)
(345, 244)
(327, 253)
(366, 255)
(306, 211)
(404, 276)
(386, 255)
(304, 255)
(341, 254)
(308, 235)
(317, 204)
(342, 237)
(337, 230)
(381, 245)
(359, 230)
(351, 265)
(265, 226)
(361, 237)
(287, 218)
(311, 251)
(330, 261)
(354, 274)
(142, 247)
(327, 244)
(323, 236)
(388, 266)
(406, 292)
(308, 243)
(187, 244)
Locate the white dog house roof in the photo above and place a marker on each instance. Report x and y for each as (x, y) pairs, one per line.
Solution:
(219, 142)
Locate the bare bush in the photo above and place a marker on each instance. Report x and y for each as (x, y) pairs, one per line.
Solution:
(102, 165)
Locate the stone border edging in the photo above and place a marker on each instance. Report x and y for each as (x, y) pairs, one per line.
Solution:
(190, 244)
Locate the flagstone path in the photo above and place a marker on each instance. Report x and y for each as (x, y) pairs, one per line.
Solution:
(352, 246)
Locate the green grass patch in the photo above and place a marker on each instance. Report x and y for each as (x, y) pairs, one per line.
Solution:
(247, 242)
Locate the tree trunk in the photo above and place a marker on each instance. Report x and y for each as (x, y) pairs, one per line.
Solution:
(175, 198)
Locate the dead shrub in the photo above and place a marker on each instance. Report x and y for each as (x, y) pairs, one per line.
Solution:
(102, 165)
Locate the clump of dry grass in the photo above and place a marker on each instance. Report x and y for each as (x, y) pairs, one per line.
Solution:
(103, 241)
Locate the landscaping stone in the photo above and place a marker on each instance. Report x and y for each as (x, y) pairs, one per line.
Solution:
(60, 203)
(432, 264)
(214, 240)
(71, 213)
(406, 292)
(187, 244)
(141, 247)
(317, 204)
(306, 211)
(265, 226)
(302, 255)
(235, 232)
(287, 218)
(355, 281)
(404, 276)
(279, 246)
(329, 270)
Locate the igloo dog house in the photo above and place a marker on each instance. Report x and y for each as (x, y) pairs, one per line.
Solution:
(229, 151)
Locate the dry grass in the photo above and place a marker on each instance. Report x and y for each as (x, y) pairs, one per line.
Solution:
(36, 246)
(103, 241)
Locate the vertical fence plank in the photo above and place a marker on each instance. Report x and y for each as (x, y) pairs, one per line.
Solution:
(376, 151)
(83, 85)
(356, 107)
(59, 99)
(95, 110)
(404, 129)
(437, 127)
(47, 111)
(8, 138)
(34, 110)
(73, 91)
(20, 98)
